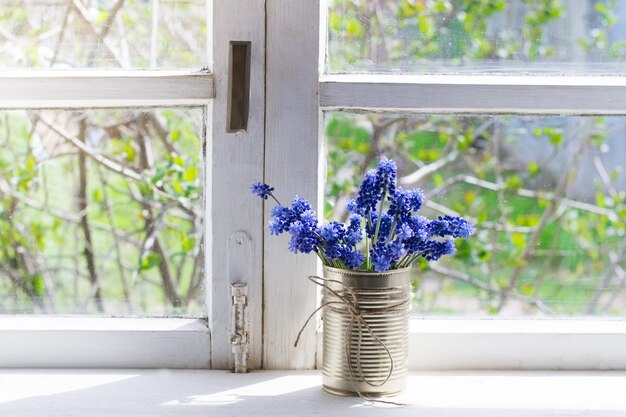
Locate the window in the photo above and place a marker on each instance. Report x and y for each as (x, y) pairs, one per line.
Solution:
(297, 88)
(515, 65)
(105, 108)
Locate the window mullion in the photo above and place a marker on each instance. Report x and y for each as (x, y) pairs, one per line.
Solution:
(234, 161)
(293, 162)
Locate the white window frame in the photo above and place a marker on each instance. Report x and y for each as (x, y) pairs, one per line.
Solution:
(299, 91)
(233, 243)
(42, 341)
(284, 146)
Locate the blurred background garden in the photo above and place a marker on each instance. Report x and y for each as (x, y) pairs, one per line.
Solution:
(101, 211)
(546, 192)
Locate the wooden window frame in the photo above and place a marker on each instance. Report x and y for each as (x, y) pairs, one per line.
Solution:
(299, 91)
(283, 145)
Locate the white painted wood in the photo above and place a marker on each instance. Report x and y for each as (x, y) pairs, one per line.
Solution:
(236, 162)
(475, 94)
(141, 393)
(573, 344)
(293, 161)
(53, 342)
(62, 89)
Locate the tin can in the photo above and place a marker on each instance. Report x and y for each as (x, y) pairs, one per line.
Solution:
(366, 331)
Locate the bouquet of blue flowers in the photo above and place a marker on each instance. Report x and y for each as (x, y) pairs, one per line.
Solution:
(383, 232)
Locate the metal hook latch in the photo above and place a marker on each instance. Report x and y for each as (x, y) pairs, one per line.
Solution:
(239, 336)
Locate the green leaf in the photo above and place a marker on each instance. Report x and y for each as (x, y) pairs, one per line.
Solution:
(150, 261)
(159, 175)
(177, 160)
(178, 187)
(354, 28)
(37, 285)
(97, 195)
(513, 183)
(188, 243)
(527, 289)
(130, 152)
(191, 173)
(519, 241)
(30, 164)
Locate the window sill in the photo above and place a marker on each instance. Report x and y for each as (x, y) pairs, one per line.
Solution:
(139, 393)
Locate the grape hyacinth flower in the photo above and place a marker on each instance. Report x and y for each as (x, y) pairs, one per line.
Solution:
(383, 232)
(261, 190)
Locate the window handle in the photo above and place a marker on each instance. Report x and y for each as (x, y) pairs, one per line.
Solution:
(238, 106)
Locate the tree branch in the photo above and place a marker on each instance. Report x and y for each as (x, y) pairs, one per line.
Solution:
(88, 250)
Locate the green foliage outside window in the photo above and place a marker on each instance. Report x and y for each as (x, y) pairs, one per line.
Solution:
(547, 193)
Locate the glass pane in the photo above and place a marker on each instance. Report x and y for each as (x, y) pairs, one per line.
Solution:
(461, 36)
(101, 212)
(103, 33)
(547, 194)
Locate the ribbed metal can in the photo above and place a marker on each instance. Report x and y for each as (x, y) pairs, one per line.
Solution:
(366, 331)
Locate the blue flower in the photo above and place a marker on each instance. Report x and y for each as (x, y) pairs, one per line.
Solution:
(450, 226)
(354, 234)
(299, 205)
(353, 259)
(396, 250)
(334, 250)
(404, 232)
(380, 260)
(262, 190)
(352, 206)
(304, 234)
(385, 227)
(416, 199)
(282, 217)
(332, 232)
(370, 227)
(418, 226)
(412, 236)
(435, 249)
(386, 175)
(309, 218)
(383, 256)
(403, 203)
(369, 195)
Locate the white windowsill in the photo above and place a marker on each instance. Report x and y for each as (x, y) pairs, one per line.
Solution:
(140, 393)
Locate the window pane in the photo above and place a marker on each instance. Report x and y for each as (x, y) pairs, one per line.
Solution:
(101, 212)
(547, 194)
(457, 36)
(103, 33)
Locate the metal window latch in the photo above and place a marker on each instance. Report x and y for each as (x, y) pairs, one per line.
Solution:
(239, 333)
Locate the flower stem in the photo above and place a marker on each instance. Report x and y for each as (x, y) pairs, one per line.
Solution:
(380, 215)
(367, 253)
(275, 199)
(367, 242)
(392, 231)
(400, 263)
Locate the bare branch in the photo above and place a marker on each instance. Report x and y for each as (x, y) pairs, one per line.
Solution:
(552, 208)
(459, 276)
(416, 176)
(88, 250)
(106, 27)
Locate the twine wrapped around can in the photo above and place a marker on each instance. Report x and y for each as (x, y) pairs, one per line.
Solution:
(366, 335)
